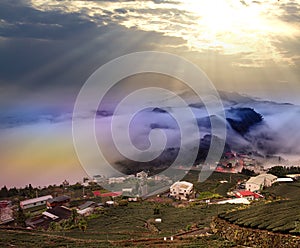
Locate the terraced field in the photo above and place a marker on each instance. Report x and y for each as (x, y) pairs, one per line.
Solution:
(131, 225)
(280, 216)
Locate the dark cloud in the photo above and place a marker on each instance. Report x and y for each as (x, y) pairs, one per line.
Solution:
(291, 11)
(23, 21)
(50, 48)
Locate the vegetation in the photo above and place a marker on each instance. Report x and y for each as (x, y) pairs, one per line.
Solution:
(213, 184)
(282, 171)
(283, 191)
(20, 217)
(208, 195)
(33, 239)
(278, 216)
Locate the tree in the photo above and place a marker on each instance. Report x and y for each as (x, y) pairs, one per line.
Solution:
(74, 217)
(13, 192)
(248, 172)
(82, 225)
(278, 171)
(20, 217)
(123, 203)
(156, 210)
(4, 192)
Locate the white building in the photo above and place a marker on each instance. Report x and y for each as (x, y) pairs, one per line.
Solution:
(284, 180)
(97, 179)
(181, 190)
(112, 180)
(127, 191)
(39, 201)
(260, 181)
(236, 201)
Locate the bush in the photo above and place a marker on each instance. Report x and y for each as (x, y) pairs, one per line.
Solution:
(123, 203)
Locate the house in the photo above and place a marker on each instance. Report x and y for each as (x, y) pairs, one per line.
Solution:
(60, 212)
(108, 194)
(109, 203)
(247, 194)
(181, 190)
(259, 182)
(87, 204)
(58, 201)
(127, 191)
(142, 175)
(34, 202)
(133, 199)
(112, 180)
(6, 213)
(97, 179)
(235, 201)
(87, 208)
(294, 176)
(55, 214)
(160, 178)
(284, 180)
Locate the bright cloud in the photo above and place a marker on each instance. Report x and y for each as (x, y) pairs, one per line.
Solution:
(252, 29)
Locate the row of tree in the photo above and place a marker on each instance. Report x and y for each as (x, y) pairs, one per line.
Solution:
(281, 171)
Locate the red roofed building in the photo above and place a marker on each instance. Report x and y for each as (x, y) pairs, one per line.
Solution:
(109, 194)
(248, 195)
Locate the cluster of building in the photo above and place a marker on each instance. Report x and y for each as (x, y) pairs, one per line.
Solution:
(115, 180)
(57, 209)
(247, 192)
(233, 162)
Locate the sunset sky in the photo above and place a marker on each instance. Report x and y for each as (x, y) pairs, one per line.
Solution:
(49, 48)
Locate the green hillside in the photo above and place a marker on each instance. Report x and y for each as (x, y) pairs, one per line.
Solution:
(280, 216)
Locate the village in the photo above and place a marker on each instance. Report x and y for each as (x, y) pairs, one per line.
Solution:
(66, 207)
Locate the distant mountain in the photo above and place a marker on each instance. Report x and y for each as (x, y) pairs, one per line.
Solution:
(264, 129)
(242, 119)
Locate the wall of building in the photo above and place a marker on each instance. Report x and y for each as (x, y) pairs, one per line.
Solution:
(252, 187)
(40, 203)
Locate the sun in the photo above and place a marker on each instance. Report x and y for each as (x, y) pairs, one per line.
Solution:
(226, 16)
(237, 27)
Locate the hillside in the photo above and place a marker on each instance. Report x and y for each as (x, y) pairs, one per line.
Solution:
(279, 216)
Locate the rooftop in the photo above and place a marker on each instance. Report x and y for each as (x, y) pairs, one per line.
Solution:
(60, 212)
(182, 184)
(245, 193)
(261, 178)
(34, 200)
(109, 194)
(86, 205)
(61, 198)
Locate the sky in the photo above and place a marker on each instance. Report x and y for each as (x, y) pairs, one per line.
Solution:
(49, 48)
